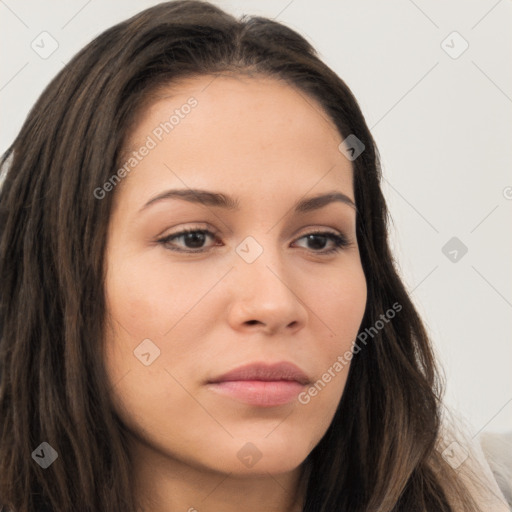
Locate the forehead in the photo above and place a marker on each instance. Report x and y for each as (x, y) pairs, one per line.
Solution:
(256, 133)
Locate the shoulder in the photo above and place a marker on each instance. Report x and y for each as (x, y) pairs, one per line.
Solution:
(463, 451)
(497, 449)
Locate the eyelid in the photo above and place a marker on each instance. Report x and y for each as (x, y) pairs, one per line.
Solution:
(208, 227)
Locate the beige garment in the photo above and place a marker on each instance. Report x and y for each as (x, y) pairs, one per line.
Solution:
(464, 453)
(497, 448)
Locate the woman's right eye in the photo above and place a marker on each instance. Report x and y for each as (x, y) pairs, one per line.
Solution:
(194, 237)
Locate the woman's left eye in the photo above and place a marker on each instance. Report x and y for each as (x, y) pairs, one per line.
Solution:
(196, 237)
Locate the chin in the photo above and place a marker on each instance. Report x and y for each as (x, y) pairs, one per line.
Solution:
(258, 457)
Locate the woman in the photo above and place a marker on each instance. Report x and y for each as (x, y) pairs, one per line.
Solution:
(199, 305)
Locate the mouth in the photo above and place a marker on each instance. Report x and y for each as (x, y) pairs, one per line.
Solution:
(261, 385)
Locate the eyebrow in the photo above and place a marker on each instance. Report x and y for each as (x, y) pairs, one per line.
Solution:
(219, 200)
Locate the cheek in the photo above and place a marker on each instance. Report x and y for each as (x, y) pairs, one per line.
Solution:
(340, 304)
(149, 297)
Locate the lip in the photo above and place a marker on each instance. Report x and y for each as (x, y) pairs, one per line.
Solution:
(261, 384)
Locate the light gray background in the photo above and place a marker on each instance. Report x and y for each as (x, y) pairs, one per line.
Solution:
(443, 127)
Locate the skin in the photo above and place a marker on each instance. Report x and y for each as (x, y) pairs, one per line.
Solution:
(259, 140)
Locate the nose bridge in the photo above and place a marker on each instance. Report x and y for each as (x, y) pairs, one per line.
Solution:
(263, 263)
(263, 291)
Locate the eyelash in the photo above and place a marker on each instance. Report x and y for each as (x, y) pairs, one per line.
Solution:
(340, 241)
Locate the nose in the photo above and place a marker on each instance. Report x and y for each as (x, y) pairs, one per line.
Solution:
(265, 299)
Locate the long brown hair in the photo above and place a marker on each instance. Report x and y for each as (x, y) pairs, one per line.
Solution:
(379, 453)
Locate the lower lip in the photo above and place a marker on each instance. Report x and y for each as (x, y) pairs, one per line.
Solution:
(260, 393)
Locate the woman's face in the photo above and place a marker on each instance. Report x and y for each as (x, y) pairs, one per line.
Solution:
(260, 291)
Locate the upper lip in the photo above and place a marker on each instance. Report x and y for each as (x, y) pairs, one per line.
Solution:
(265, 372)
